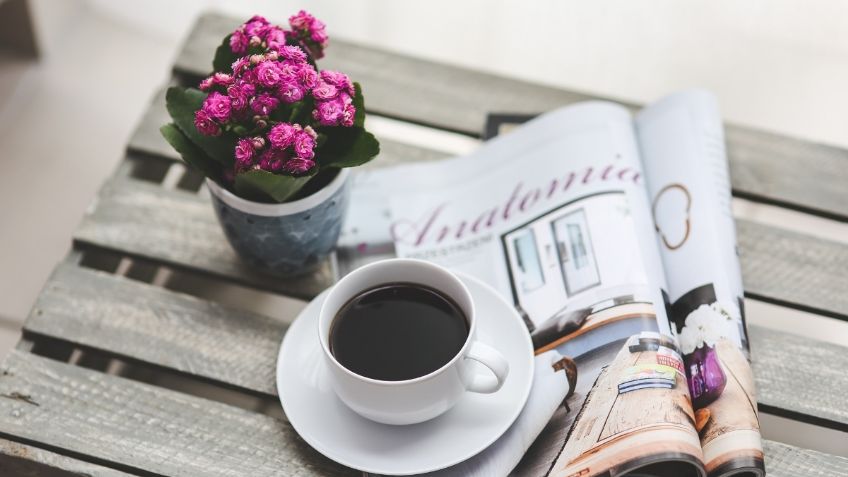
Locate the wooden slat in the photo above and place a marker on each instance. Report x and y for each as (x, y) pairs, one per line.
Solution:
(163, 328)
(179, 228)
(147, 430)
(151, 431)
(787, 461)
(151, 324)
(788, 172)
(21, 460)
(792, 269)
(147, 141)
(765, 167)
(800, 378)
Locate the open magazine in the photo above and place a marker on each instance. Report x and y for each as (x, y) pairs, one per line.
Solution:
(613, 237)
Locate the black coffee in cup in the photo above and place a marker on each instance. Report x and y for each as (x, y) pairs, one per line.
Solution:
(396, 332)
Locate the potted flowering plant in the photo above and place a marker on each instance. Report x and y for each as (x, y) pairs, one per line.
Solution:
(274, 136)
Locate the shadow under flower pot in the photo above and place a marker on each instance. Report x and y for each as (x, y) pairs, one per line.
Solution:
(288, 239)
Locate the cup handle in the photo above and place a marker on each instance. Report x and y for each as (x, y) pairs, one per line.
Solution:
(498, 365)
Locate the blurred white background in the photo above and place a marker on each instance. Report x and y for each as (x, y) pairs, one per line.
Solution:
(780, 65)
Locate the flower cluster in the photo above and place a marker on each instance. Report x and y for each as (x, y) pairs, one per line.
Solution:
(705, 326)
(309, 31)
(268, 122)
(256, 88)
(275, 71)
(334, 100)
(257, 32)
(288, 148)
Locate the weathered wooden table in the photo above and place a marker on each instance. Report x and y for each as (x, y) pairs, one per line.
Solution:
(126, 369)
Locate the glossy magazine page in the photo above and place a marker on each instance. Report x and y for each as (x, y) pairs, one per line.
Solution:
(556, 217)
(682, 144)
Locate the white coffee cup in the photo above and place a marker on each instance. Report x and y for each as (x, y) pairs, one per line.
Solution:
(425, 397)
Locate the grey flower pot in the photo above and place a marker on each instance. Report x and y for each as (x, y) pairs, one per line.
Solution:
(287, 239)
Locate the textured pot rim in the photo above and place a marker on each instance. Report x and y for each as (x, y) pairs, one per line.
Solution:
(276, 210)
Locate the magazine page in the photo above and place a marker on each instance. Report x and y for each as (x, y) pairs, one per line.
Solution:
(556, 217)
(682, 143)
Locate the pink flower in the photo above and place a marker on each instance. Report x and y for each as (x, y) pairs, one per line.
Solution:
(272, 160)
(328, 113)
(298, 165)
(304, 145)
(263, 104)
(308, 77)
(318, 34)
(348, 115)
(268, 73)
(325, 91)
(339, 80)
(205, 125)
(244, 152)
(291, 92)
(240, 64)
(239, 42)
(256, 26)
(207, 83)
(283, 135)
(301, 21)
(310, 32)
(289, 70)
(238, 99)
(294, 53)
(258, 18)
(275, 38)
(217, 106)
(222, 79)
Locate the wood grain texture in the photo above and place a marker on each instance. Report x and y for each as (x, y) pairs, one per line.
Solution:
(179, 229)
(158, 326)
(146, 140)
(147, 430)
(21, 460)
(764, 166)
(787, 461)
(800, 378)
(792, 269)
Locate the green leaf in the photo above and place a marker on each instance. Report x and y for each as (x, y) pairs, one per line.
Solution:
(191, 154)
(268, 187)
(224, 57)
(182, 104)
(347, 147)
(359, 104)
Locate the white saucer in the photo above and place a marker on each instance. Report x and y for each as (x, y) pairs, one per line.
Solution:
(473, 424)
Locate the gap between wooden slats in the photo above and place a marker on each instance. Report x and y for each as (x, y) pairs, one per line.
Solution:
(17, 459)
